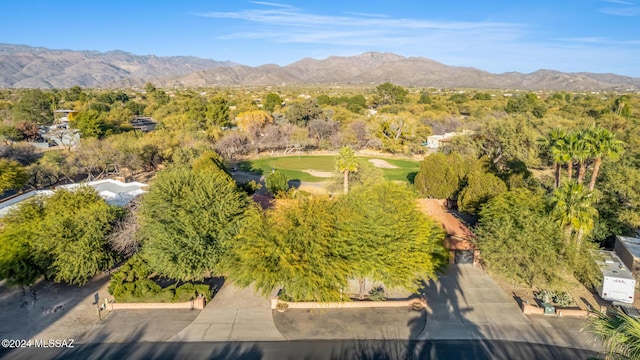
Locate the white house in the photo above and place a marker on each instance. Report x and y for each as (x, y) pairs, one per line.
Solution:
(114, 192)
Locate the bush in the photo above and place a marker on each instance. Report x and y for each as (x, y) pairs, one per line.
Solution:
(277, 182)
(191, 291)
(377, 294)
(561, 299)
(132, 284)
(250, 187)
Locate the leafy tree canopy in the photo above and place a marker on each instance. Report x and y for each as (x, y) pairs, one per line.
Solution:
(188, 219)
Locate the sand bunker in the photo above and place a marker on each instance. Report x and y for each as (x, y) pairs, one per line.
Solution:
(382, 164)
(322, 174)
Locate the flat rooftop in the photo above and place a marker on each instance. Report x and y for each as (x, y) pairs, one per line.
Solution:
(114, 192)
(611, 265)
(12, 203)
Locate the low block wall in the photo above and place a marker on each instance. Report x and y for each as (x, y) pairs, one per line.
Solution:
(349, 304)
(529, 309)
(572, 312)
(197, 304)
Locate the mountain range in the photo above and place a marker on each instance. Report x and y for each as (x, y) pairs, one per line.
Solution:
(35, 67)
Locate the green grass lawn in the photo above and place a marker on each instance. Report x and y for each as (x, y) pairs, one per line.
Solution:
(292, 166)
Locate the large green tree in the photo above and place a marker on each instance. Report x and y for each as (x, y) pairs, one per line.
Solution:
(188, 220)
(480, 187)
(35, 106)
(387, 239)
(62, 237)
(440, 175)
(389, 94)
(271, 101)
(293, 247)
(519, 239)
(12, 175)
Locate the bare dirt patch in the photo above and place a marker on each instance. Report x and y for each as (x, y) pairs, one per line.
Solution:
(383, 164)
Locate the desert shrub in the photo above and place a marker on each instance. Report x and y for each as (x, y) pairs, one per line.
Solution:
(250, 187)
(377, 294)
(191, 291)
(133, 283)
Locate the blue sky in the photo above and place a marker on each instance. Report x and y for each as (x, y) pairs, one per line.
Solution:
(497, 36)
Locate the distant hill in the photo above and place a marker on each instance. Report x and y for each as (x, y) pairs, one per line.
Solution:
(35, 67)
(24, 66)
(376, 68)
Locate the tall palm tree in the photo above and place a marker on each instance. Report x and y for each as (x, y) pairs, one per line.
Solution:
(603, 143)
(346, 162)
(582, 153)
(571, 145)
(619, 332)
(553, 143)
(573, 210)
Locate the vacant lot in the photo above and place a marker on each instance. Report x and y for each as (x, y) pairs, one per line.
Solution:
(304, 168)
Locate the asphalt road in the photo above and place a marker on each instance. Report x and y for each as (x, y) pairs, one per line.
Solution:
(319, 349)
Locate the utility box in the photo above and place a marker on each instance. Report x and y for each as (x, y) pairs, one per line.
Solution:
(617, 282)
(548, 309)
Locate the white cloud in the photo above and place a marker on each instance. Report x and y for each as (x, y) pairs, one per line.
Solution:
(622, 11)
(292, 32)
(621, 8)
(265, 3)
(619, 2)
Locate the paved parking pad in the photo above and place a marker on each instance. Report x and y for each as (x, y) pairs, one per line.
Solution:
(139, 325)
(368, 323)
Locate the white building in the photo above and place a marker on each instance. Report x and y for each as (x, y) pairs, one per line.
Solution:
(436, 141)
(114, 192)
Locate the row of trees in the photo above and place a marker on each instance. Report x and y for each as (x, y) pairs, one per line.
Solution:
(582, 148)
(195, 222)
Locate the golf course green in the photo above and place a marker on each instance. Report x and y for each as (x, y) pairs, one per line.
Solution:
(320, 168)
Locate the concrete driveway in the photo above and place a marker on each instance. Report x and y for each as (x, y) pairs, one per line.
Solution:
(465, 303)
(234, 314)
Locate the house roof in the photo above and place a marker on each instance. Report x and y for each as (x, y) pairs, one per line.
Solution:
(12, 203)
(459, 237)
(114, 192)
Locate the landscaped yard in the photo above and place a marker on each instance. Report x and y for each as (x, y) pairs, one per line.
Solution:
(318, 168)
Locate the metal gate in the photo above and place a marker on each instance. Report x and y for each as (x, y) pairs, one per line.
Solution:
(464, 257)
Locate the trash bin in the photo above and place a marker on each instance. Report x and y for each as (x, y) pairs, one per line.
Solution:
(549, 309)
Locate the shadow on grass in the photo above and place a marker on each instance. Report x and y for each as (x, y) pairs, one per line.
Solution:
(247, 166)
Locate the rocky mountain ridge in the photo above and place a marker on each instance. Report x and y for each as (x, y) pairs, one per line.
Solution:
(32, 67)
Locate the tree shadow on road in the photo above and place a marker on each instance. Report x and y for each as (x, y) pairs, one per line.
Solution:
(27, 312)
